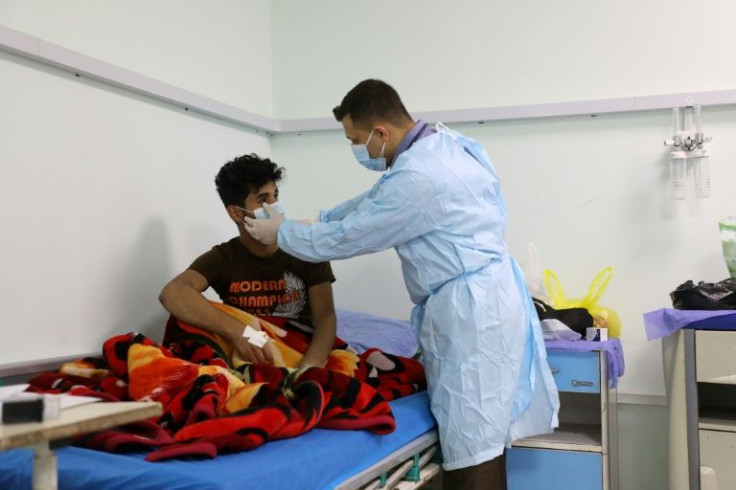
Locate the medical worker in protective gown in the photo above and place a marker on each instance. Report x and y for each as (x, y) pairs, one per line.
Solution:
(438, 202)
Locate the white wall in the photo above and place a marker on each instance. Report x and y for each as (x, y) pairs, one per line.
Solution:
(104, 197)
(218, 49)
(469, 53)
(642, 447)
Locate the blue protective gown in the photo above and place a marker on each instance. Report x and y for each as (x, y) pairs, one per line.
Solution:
(440, 206)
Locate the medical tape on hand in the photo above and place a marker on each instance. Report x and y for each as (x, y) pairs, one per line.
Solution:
(255, 337)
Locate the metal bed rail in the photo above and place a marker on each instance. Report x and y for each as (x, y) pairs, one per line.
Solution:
(388, 472)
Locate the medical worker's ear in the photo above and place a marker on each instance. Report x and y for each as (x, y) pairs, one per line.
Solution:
(383, 132)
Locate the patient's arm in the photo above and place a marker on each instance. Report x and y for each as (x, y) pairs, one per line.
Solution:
(325, 325)
(182, 297)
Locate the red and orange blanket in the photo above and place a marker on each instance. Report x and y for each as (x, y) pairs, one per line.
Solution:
(213, 402)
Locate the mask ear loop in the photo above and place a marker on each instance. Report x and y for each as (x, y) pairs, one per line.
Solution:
(383, 148)
(247, 212)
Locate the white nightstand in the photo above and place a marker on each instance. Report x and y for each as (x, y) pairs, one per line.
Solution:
(583, 451)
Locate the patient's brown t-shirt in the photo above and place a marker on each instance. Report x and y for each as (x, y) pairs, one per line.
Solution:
(276, 286)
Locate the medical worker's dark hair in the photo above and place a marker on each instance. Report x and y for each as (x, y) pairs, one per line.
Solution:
(243, 175)
(372, 100)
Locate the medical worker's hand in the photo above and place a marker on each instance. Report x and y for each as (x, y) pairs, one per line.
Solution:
(265, 231)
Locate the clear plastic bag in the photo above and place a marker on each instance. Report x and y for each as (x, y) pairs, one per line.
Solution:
(602, 316)
(534, 275)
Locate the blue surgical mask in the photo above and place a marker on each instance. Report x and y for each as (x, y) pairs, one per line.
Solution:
(261, 213)
(364, 158)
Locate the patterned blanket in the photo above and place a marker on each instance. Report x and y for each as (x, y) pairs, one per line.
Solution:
(213, 402)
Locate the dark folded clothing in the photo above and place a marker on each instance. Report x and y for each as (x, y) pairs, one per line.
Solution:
(577, 319)
(705, 295)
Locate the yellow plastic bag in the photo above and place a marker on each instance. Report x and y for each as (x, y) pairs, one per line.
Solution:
(602, 316)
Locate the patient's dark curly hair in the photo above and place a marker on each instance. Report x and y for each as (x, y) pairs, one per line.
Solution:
(243, 175)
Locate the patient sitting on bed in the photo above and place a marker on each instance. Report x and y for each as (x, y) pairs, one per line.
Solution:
(259, 279)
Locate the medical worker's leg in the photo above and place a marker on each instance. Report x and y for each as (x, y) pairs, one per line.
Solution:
(490, 475)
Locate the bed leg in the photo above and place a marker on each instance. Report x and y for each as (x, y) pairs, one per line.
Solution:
(44, 467)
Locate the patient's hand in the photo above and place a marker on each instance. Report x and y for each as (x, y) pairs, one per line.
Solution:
(251, 353)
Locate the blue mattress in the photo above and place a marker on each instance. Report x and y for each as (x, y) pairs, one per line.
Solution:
(319, 459)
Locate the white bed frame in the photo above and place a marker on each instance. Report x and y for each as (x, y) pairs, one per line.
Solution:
(411, 466)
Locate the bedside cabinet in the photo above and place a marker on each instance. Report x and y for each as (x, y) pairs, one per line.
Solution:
(582, 451)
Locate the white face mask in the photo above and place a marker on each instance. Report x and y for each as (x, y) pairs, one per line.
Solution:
(364, 158)
(261, 213)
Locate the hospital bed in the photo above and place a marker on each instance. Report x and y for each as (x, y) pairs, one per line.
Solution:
(318, 459)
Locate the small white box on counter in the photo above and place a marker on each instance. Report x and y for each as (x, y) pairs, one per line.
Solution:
(596, 334)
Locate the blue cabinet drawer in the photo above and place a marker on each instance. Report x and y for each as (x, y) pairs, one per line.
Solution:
(575, 371)
(549, 469)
